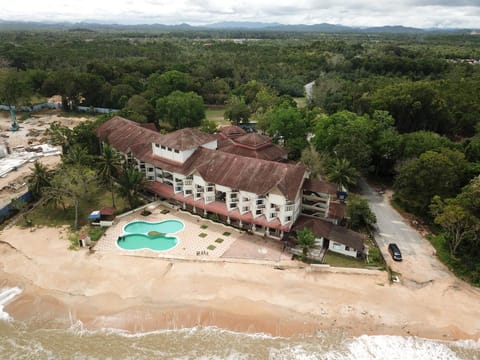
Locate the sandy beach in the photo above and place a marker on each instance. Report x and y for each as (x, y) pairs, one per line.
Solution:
(102, 290)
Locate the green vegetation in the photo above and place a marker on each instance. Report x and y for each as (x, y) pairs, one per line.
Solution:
(203, 226)
(219, 240)
(203, 235)
(226, 233)
(164, 211)
(155, 233)
(339, 260)
(401, 108)
(211, 247)
(306, 240)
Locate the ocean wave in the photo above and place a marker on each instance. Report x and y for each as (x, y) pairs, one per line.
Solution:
(7, 295)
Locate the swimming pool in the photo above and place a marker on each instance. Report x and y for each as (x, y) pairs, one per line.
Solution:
(156, 236)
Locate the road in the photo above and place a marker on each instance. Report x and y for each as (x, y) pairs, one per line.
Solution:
(420, 266)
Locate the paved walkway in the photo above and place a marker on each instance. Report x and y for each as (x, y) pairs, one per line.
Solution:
(200, 239)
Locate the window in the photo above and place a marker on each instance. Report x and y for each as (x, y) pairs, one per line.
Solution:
(169, 149)
(258, 212)
(272, 215)
(288, 218)
(259, 201)
(150, 169)
(188, 192)
(245, 208)
(150, 178)
(272, 206)
(347, 248)
(176, 151)
(163, 147)
(157, 145)
(233, 205)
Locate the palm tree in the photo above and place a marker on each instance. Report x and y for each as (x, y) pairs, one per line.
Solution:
(131, 182)
(342, 173)
(76, 155)
(39, 179)
(306, 239)
(108, 165)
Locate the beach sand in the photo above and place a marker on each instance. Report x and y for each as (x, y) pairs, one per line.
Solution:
(102, 290)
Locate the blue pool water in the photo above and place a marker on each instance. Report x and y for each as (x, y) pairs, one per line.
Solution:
(143, 227)
(148, 235)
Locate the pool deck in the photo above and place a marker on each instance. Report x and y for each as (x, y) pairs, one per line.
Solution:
(201, 239)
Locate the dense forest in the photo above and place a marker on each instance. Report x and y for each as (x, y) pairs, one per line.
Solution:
(403, 109)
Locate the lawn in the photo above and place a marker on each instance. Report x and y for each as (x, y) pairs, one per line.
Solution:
(216, 114)
(50, 215)
(301, 101)
(338, 260)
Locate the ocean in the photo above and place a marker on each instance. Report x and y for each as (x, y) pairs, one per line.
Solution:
(23, 340)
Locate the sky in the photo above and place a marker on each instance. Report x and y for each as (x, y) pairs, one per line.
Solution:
(415, 13)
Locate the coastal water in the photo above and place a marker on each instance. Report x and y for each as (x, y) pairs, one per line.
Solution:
(19, 340)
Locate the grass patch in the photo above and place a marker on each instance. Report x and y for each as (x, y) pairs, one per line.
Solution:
(145, 212)
(203, 226)
(338, 260)
(219, 240)
(155, 233)
(226, 233)
(211, 247)
(48, 214)
(164, 211)
(301, 101)
(96, 232)
(202, 235)
(215, 113)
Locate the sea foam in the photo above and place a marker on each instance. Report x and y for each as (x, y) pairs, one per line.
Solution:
(7, 295)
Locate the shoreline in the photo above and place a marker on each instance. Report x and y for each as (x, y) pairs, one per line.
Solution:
(137, 295)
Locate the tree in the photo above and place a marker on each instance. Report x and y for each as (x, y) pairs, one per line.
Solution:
(131, 182)
(414, 105)
(161, 85)
(416, 143)
(208, 126)
(108, 165)
(139, 109)
(359, 215)
(286, 124)
(313, 161)
(39, 179)
(181, 109)
(71, 183)
(59, 135)
(342, 173)
(77, 155)
(13, 87)
(433, 173)
(457, 221)
(237, 111)
(306, 239)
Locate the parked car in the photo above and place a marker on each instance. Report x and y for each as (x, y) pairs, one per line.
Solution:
(395, 252)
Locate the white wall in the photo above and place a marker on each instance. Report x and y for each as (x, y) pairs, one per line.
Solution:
(172, 154)
(340, 248)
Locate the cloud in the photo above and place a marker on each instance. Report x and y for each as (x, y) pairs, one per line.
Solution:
(418, 13)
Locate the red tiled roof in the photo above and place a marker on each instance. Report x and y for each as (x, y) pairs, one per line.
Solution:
(336, 210)
(325, 229)
(320, 186)
(232, 131)
(271, 152)
(254, 140)
(107, 211)
(185, 139)
(124, 134)
(252, 175)
(235, 171)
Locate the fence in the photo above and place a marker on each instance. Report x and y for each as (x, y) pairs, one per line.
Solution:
(48, 105)
(5, 212)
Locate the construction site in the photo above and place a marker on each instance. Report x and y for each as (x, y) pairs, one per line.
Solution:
(22, 145)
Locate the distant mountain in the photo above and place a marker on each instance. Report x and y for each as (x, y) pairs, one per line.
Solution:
(240, 25)
(90, 25)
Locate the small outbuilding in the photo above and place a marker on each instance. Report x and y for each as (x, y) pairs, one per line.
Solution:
(84, 240)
